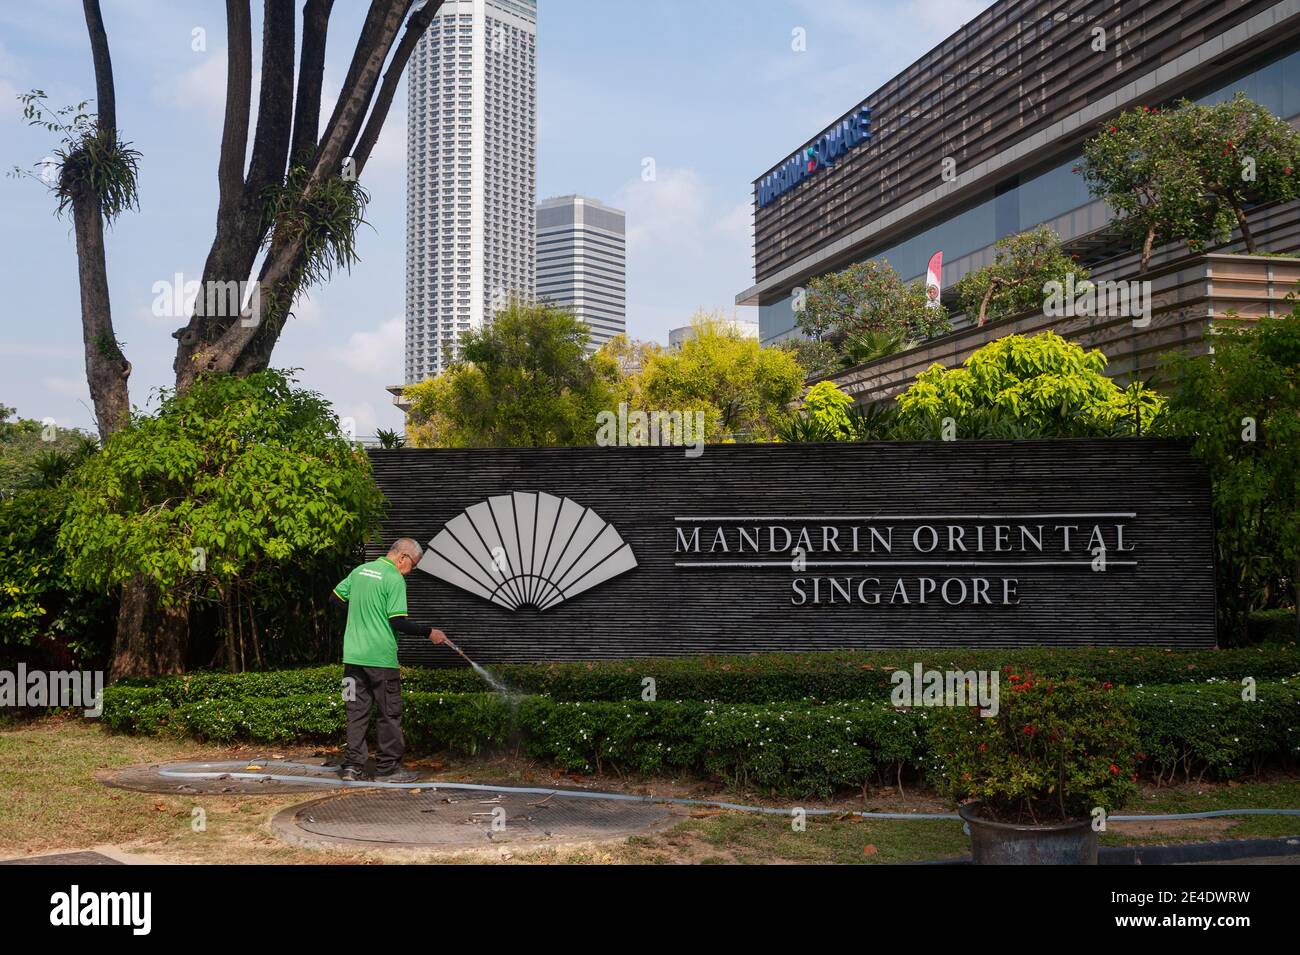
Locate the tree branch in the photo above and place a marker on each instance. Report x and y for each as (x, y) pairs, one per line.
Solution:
(107, 369)
(274, 104)
(415, 28)
(239, 90)
(311, 73)
(243, 349)
(349, 111)
(365, 43)
(105, 95)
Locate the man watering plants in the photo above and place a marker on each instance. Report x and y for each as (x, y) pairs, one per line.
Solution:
(375, 595)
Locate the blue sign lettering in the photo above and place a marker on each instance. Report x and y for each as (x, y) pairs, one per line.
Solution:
(822, 152)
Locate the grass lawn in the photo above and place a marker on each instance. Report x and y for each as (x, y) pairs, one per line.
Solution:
(52, 800)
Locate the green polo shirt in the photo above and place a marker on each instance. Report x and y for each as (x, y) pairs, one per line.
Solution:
(375, 593)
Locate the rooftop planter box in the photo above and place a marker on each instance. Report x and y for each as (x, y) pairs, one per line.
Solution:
(1187, 298)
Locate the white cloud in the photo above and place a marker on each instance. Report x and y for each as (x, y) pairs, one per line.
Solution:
(377, 352)
(688, 250)
(307, 310)
(669, 209)
(68, 387)
(203, 86)
(389, 154)
(12, 75)
(363, 417)
(739, 222)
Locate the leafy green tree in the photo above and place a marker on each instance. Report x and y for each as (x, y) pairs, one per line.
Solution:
(46, 616)
(1241, 409)
(1136, 164)
(1243, 154)
(864, 300)
(741, 387)
(428, 422)
(629, 359)
(525, 380)
(829, 407)
(1050, 385)
(229, 484)
(1022, 264)
(26, 446)
(1188, 174)
(815, 357)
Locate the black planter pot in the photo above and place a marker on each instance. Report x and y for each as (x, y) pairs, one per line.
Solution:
(1001, 843)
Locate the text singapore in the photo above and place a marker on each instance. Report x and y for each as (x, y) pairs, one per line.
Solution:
(954, 560)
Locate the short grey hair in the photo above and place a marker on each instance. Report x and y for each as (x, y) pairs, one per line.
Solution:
(407, 546)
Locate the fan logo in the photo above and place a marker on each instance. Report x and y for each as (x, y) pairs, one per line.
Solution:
(527, 549)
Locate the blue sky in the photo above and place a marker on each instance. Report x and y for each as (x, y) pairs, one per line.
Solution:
(712, 90)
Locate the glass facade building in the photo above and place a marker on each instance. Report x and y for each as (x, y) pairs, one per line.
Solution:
(965, 218)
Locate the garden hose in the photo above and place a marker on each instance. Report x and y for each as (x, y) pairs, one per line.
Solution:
(205, 771)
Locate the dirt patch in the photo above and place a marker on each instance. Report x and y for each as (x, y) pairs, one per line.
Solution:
(1148, 831)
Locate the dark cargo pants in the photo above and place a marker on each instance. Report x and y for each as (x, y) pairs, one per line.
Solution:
(380, 688)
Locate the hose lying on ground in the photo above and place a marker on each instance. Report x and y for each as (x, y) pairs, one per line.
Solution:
(206, 771)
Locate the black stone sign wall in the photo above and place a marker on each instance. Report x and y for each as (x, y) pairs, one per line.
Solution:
(972, 544)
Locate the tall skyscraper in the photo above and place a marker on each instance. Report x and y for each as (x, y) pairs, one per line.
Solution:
(471, 174)
(582, 262)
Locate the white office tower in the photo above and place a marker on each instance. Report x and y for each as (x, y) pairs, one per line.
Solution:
(582, 262)
(471, 174)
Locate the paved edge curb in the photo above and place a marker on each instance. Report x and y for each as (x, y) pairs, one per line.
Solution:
(1191, 852)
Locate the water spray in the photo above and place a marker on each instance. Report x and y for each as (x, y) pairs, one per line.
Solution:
(487, 677)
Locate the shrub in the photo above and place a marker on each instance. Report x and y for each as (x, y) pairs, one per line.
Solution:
(1043, 383)
(1241, 408)
(461, 722)
(1210, 730)
(798, 748)
(1054, 750)
(46, 617)
(769, 677)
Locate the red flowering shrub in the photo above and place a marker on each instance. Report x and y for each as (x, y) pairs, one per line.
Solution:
(1055, 750)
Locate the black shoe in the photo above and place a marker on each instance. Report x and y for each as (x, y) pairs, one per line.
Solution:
(350, 774)
(397, 776)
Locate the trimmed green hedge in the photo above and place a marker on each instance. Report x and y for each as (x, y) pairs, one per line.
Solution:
(1209, 730)
(769, 678)
(796, 748)
(1272, 626)
(462, 722)
(791, 747)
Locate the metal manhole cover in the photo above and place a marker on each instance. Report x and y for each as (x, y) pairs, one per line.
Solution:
(428, 817)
